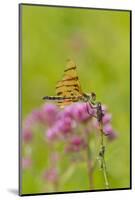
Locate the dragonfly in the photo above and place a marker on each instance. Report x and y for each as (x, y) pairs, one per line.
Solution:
(68, 89)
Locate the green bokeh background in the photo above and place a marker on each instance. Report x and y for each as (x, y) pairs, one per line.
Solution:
(99, 42)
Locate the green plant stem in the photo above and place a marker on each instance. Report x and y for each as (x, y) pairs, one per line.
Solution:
(103, 163)
(55, 184)
(89, 165)
(105, 175)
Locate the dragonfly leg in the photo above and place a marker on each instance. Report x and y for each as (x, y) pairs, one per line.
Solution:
(87, 107)
(96, 107)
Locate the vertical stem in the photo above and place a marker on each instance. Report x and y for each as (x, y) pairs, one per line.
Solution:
(105, 174)
(103, 163)
(89, 163)
(55, 186)
(90, 169)
(51, 148)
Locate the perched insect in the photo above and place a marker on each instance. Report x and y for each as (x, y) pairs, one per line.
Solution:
(68, 90)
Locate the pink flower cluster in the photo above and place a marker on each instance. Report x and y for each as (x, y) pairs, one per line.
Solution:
(51, 175)
(107, 126)
(70, 125)
(65, 124)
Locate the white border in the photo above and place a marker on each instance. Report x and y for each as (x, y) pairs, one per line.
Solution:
(9, 97)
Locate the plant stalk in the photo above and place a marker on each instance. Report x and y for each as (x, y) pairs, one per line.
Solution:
(89, 165)
(103, 163)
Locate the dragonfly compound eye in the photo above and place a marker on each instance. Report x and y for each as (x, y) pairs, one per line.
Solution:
(93, 96)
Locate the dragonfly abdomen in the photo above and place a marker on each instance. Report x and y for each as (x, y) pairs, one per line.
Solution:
(55, 98)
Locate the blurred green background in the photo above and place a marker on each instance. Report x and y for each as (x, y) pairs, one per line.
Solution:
(99, 42)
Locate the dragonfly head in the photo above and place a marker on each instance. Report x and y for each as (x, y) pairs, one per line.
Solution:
(90, 97)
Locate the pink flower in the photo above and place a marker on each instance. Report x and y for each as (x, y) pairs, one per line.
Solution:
(51, 175)
(112, 136)
(106, 118)
(107, 129)
(80, 112)
(68, 111)
(49, 112)
(29, 121)
(52, 133)
(27, 135)
(76, 143)
(65, 125)
(26, 162)
(36, 116)
(109, 132)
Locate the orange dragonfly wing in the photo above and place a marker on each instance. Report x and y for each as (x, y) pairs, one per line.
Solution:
(69, 86)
